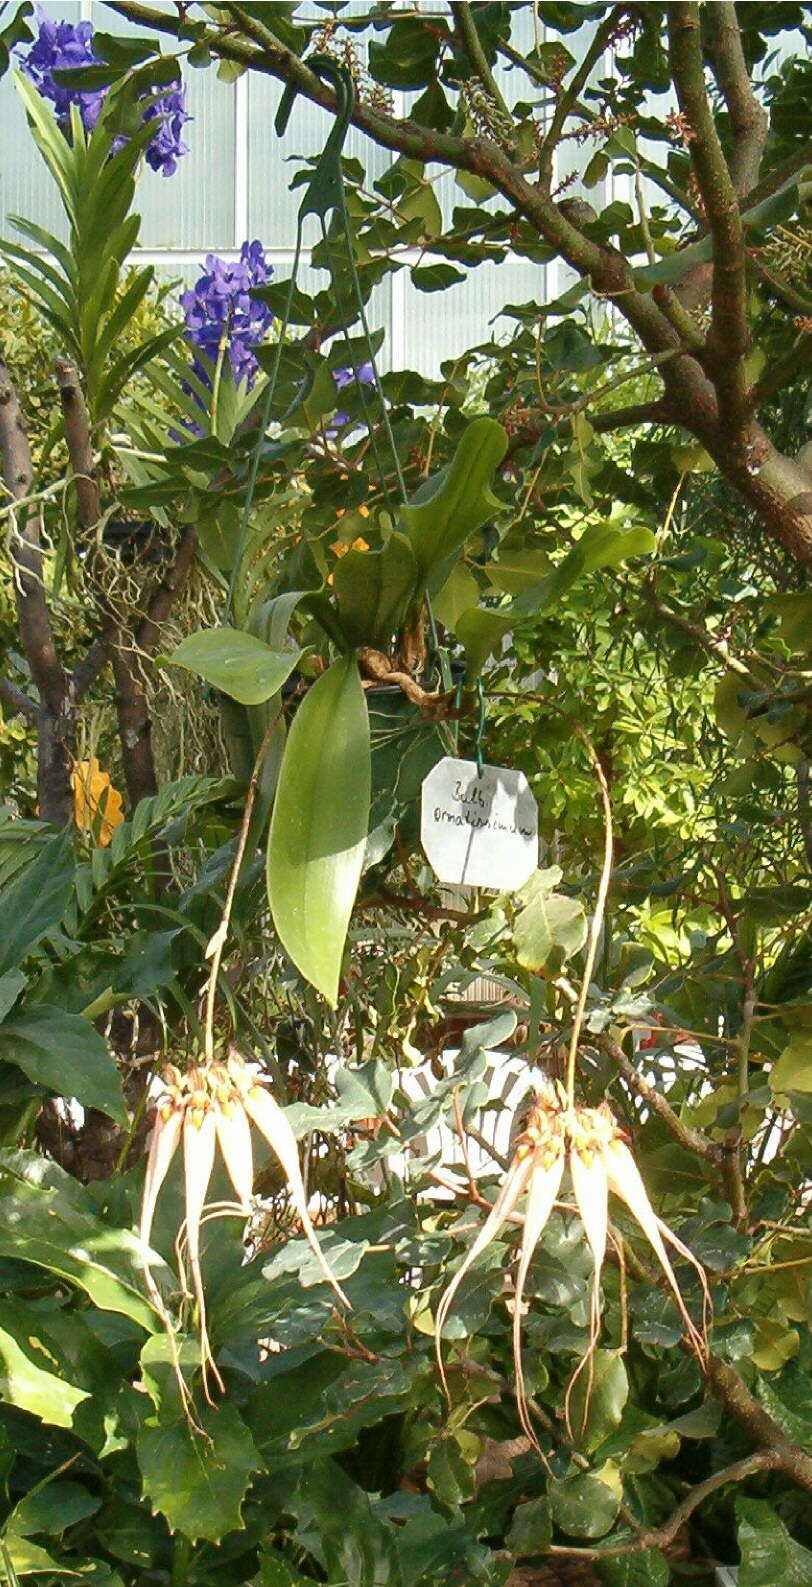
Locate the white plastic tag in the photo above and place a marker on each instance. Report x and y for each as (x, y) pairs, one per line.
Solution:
(479, 829)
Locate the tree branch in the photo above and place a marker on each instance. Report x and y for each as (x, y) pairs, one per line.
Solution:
(16, 701)
(569, 95)
(18, 477)
(663, 1536)
(53, 756)
(748, 119)
(692, 1140)
(472, 44)
(731, 1390)
(728, 339)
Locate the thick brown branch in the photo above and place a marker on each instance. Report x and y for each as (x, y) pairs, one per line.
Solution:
(691, 1139)
(53, 749)
(466, 28)
(16, 701)
(730, 1389)
(748, 119)
(26, 550)
(728, 339)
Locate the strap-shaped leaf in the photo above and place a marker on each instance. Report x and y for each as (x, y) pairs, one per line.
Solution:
(319, 825)
(457, 500)
(373, 590)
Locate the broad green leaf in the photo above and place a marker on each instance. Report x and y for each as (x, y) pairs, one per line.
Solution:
(36, 901)
(27, 1375)
(584, 1505)
(769, 1554)
(436, 277)
(448, 1475)
(774, 1344)
(319, 825)
(649, 1568)
(550, 926)
(598, 1399)
(52, 1508)
(359, 1550)
(793, 1070)
(361, 1093)
(531, 1529)
(459, 594)
(456, 501)
(11, 986)
(794, 613)
(276, 1571)
(373, 590)
(28, 1559)
(198, 1480)
(601, 545)
(64, 1053)
(45, 1219)
(239, 664)
(480, 631)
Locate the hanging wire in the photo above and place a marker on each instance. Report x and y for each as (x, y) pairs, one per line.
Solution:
(480, 726)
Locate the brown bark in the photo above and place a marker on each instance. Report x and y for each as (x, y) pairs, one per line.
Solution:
(54, 709)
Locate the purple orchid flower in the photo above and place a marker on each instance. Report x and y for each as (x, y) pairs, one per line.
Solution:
(65, 46)
(221, 309)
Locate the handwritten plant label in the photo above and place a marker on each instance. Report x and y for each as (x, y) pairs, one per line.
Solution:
(479, 830)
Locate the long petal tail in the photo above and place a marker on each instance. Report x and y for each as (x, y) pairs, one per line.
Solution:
(163, 1146)
(589, 1182)
(626, 1182)
(542, 1192)
(199, 1137)
(234, 1140)
(271, 1121)
(514, 1185)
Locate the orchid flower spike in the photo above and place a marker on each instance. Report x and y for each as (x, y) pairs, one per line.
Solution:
(204, 1110)
(588, 1142)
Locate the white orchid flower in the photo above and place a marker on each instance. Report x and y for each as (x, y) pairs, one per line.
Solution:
(206, 1109)
(588, 1142)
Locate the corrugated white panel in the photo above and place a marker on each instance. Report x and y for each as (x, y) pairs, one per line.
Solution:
(26, 188)
(442, 325)
(196, 205)
(234, 184)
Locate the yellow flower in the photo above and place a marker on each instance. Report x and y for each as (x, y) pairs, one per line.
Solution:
(97, 805)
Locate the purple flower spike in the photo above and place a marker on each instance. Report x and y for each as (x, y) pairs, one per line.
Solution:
(63, 46)
(220, 308)
(167, 147)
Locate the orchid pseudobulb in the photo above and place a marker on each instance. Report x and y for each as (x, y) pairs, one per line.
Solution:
(206, 1109)
(591, 1145)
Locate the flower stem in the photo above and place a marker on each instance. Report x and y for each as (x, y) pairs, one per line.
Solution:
(597, 918)
(217, 943)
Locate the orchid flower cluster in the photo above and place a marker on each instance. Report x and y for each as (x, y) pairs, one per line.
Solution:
(223, 318)
(201, 1110)
(591, 1145)
(65, 46)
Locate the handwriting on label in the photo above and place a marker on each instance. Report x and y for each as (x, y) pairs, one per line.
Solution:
(479, 828)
